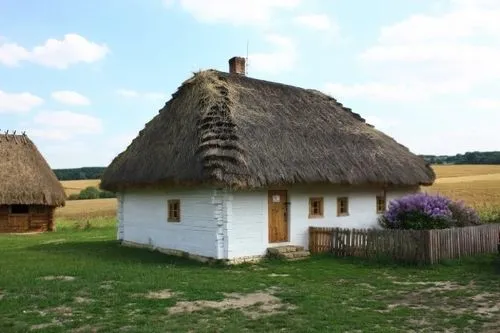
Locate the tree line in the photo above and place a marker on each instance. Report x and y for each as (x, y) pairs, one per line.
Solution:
(475, 157)
(79, 173)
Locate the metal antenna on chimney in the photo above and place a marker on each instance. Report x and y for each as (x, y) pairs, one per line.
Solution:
(247, 63)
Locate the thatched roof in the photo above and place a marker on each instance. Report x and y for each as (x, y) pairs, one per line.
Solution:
(232, 130)
(25, 176)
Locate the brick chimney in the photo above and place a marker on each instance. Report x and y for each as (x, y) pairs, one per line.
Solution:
(237, 65)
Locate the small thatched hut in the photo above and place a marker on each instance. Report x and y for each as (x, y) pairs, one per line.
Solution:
(29, 189)
(233, 165)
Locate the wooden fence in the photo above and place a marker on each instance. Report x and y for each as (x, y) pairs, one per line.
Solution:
(416, 246)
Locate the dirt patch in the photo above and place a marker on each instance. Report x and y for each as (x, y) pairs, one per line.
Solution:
(64, 311)
(484, 297)
(1, 295)
(254, 305)
(436, 286)
(107, 284)
(432, 296)
(58, 277)
(367, 286)
(160, 294)
(487, 304)
(83, 300)
(45, 325)
(54, 241)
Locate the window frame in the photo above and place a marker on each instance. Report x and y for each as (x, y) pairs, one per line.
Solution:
(171, 209)
(339, 206)
(377, 206)
(321, 213)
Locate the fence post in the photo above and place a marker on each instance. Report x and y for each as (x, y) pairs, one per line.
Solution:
(428, 248)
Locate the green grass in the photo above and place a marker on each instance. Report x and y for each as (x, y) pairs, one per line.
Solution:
(106, 292)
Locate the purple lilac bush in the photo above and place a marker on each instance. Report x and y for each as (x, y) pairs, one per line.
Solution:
(424, 211)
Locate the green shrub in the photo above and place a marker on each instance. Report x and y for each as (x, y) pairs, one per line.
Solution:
(107, 194)
(462, 215)
(489, 214)
(90, 192)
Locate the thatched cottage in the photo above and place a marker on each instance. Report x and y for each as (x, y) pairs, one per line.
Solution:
(233, 165)
(29, 189)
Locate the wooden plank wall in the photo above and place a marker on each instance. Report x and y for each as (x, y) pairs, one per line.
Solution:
(40, 219)
(415, 246)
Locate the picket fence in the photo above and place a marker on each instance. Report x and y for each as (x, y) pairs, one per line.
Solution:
(414, 246)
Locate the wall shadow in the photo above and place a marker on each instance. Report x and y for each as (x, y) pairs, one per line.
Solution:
(112, 250)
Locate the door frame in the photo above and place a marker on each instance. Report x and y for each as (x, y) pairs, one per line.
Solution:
(286, 218)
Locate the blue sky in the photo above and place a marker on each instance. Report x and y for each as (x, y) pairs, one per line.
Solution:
(83, 77)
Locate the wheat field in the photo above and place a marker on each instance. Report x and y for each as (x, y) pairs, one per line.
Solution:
(85, 208)
(477, 185)
(75, 186)
(447, 171)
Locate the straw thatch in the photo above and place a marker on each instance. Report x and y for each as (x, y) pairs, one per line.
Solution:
(232, 130)
(25, 176)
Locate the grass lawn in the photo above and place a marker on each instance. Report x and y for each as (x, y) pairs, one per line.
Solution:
(79, 279)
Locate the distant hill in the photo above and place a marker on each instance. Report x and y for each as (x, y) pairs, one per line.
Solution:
(475, 157)
(79, 173)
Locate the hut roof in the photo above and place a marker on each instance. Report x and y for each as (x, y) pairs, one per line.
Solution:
(233, 130)
(25, 176)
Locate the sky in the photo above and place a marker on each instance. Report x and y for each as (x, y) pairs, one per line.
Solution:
(82, 78)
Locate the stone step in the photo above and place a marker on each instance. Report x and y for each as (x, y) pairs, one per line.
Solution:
(284, 249)
(297, 254)
(297, 259)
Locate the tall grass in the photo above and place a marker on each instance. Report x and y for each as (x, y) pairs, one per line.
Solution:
(85, 223)
(488, 213)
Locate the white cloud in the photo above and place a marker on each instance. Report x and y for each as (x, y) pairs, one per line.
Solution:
(252, 12)
(317, 22)
(427, 55)
(151, 95)
(70, 97)
(461, 44)
(63, 125)
(283, 58)
(18, 102)
(485, 103)
(54, 53)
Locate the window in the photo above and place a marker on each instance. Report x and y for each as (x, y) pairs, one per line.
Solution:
(19, 209)
(315, 207)
(174, 210)
(380, 204)
(342, 206)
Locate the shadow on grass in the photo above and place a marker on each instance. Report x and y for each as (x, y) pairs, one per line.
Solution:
(112, 250)
(488, 263)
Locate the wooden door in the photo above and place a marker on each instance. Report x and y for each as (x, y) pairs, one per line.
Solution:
(278, 216)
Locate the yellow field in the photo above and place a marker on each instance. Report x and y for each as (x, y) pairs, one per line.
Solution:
(75, 186)
(444, 171)
(477, 185)
(87, 208)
